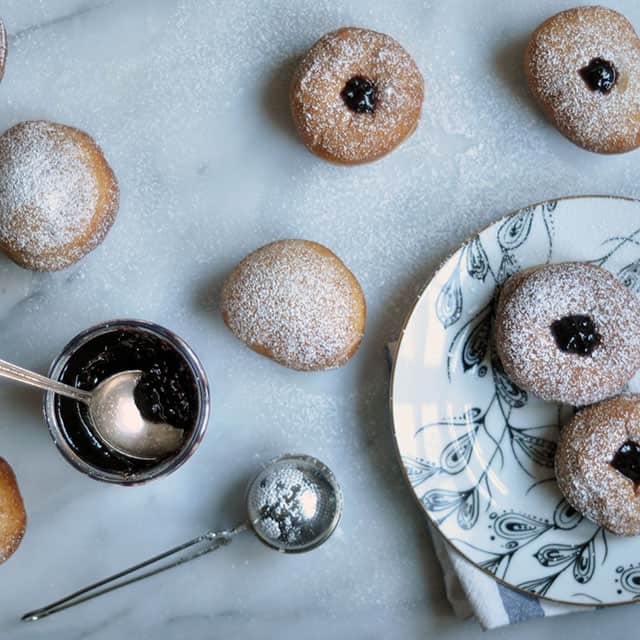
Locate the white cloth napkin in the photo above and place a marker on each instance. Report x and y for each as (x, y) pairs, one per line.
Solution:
(473, 593)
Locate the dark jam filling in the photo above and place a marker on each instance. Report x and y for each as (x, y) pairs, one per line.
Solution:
(600, 75)
(360, 94)
(576, 334)
(627, 461)
(166, 391)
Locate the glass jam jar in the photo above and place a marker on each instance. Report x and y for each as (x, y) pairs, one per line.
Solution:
(180, 389)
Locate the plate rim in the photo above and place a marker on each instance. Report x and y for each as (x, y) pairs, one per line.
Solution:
(398, 344)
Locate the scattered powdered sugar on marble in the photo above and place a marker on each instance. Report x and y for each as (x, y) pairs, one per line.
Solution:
(298, 303)
(321, 112)
(48, 191)
(568, 43)
(535, 298)
(587, 445)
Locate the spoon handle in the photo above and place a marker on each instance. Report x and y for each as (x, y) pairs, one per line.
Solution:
(18, 374)
(211, 540)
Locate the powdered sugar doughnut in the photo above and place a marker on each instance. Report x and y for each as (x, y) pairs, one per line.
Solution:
(583, 66)
(356, 95)
(568, 332)
(58, 195)
(13, 519)
(296, 302)
(598, 463)
(3, 48)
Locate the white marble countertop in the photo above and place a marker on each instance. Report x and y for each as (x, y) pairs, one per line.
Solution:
(189, 102)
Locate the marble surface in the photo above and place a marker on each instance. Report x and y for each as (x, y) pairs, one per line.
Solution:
(189, 101)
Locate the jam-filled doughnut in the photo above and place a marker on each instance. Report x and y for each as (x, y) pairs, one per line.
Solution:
(3, 48)
(295, 302)
(598, 463)
(356, 95)
(58, 195)
(583, 67)
(568, 332)
(13, 519)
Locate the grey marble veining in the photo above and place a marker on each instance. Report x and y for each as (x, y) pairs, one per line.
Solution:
(189, 102)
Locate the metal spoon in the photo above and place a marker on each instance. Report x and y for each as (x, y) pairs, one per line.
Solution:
(294, 504)
(113, 412)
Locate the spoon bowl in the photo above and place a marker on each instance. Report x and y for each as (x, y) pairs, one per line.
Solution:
(118, 421)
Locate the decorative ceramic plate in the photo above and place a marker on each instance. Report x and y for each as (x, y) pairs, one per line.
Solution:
(477, 450)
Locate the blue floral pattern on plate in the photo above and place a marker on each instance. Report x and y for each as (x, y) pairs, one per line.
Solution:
(478, 450)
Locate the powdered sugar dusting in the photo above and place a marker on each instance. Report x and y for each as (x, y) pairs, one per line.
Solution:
(533, 299)
(327, 124)
(297, 302)
(567, 43)
(585, 476)
(9, 539)
(12, 516)
(48, 191)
